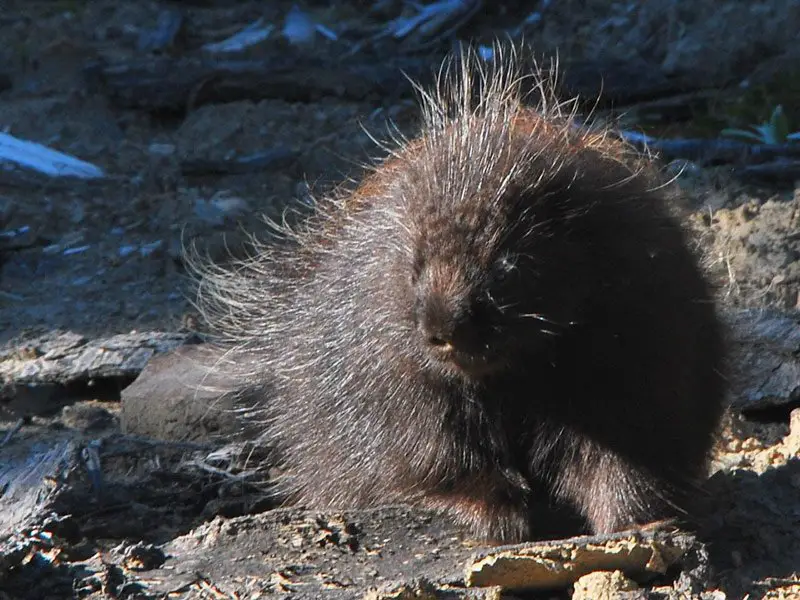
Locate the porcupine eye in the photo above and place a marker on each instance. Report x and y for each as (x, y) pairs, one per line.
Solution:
(504, 266)
(503, 270)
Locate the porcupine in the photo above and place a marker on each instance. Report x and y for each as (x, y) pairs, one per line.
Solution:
(505, 307)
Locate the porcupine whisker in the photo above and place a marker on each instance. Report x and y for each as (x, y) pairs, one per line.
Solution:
(540, 317)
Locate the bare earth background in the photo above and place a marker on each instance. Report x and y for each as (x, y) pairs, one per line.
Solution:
(104, 257)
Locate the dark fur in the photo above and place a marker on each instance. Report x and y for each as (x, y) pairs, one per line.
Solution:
(504, 309)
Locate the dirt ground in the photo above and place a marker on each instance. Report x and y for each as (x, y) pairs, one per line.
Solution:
(100, 257)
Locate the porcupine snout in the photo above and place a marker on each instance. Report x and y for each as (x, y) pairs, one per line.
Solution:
(453, 325)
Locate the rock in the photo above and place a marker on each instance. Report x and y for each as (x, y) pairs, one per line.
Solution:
(765, 368)
(64, 358)
(29, 475)
(602, 585)
(754, 253)
(179, 396)
(90, 417)
(792, 441)
(557, 564)
(38, 376)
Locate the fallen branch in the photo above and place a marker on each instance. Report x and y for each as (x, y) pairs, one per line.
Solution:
(178, 84)
(167, 84)
(715, 151)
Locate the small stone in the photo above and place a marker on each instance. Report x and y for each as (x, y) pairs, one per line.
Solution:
(602, 585)
(161, 149)
(751, 443)
(220, 207)
(87, 416)
(230, 205)
(148, 249)
(792, 441)
(143, 557)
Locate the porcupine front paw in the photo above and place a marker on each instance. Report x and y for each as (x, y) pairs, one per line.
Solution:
(487, 521)
(492, 508)
(614, 495)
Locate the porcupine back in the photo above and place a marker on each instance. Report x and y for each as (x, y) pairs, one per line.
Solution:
(503, 305)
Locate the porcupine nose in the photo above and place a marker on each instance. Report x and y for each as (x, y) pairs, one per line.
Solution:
(447, 329)
(440, 340)
(454, 337)
(437, 325)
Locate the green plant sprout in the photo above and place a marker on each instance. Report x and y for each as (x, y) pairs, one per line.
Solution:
(773, 131)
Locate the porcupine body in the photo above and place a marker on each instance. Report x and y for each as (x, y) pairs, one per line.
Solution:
(505, 307)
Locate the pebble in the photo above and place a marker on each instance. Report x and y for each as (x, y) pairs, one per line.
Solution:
(602, 585)
(161, 149)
